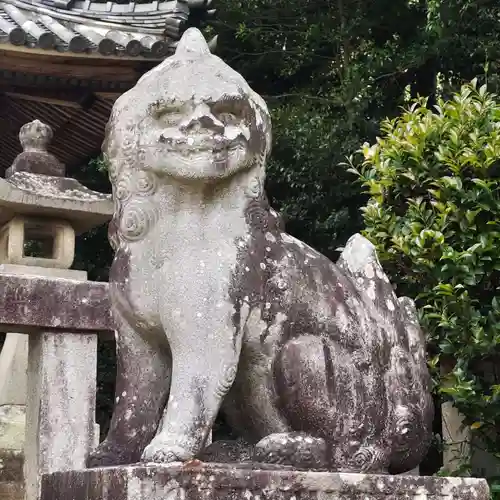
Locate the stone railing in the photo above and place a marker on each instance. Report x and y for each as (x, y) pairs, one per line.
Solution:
(48, 366)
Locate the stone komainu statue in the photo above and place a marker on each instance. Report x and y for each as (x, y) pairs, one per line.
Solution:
(318, 365)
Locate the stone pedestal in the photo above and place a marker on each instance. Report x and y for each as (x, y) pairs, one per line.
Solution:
(196, 481)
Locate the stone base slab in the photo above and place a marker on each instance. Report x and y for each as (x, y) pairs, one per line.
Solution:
(202, 481)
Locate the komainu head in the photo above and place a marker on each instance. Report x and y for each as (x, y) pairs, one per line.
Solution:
(191, 118)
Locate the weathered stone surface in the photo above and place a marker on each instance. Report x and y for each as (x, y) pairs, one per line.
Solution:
(12, 424)
(60, 419)
(35, 138)
(13, 366)
(49, 196)
(30, 304)
(36, 185)
(58, 235)
(315, 364)
(216, 482)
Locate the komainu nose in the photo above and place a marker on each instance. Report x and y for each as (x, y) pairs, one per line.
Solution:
(211, 123)
(202, 118)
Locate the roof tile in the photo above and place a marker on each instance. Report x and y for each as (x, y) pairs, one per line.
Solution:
(138, 28)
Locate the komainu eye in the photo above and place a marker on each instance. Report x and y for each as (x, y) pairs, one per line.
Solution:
(228, 118)
(166, 113)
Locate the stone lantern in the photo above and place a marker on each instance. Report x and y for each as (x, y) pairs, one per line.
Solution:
(41, 211)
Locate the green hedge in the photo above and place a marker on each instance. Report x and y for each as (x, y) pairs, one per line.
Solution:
(433, 178)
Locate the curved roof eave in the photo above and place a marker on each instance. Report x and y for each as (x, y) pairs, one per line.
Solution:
(148, 29)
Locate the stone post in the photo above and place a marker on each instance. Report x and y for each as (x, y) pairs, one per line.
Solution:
(456, 435)
(60, 432)
(41, 212)
(13, 363)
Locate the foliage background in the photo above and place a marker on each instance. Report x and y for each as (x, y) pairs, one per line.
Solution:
(330, 71)
(433, 214)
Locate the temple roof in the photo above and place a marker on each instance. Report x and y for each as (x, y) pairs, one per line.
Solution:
(141, 28)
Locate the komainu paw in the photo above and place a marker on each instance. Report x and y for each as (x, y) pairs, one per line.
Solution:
(299, 450)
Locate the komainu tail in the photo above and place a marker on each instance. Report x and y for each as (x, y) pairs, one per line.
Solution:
(407, 377)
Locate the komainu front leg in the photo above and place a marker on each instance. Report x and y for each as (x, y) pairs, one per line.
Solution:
(203, 370)
(142, 383)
